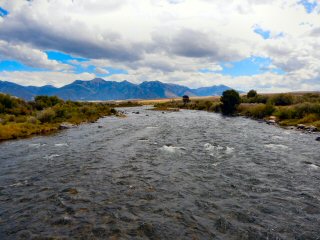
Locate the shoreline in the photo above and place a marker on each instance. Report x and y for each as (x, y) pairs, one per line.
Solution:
(303, 128)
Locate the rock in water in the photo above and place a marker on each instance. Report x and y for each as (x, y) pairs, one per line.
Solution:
(271, 122)
(301, 126)
(318, 139)
(311, 129)
(66, 126)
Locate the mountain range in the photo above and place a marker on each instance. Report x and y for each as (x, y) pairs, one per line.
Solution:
(100, 89)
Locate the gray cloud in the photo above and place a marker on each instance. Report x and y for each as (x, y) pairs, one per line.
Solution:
(73, 38)
(196, 44)
(315, 32)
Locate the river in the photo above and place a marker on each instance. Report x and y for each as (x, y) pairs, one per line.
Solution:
(154, 175)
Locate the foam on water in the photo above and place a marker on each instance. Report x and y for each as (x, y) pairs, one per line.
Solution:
(61, 145)
(19, 184)
(313, 166)
(277, 137)
(216, 149)
(172, 149)
(276, 146)
(36, 145)
(50, 157)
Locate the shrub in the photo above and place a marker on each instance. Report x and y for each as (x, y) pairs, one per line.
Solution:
(7, 101)
(256, 110)
(185, 99)
(20, 119)
(61, 112)
(298, 111)
(215, 107)
(303, 109)
(282, 99)
(309, 118)
(308, 97)
(230, 100)
(2, 108)
(42, 102)
(46, 115)
(285, 113)
(32, 120)
(252, 93)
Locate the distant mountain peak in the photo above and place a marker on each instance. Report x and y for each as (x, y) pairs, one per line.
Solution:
(100, 89)
(97, 80)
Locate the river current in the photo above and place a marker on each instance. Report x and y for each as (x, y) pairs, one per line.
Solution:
(154, 175)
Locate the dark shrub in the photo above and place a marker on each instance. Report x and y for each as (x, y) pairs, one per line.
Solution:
(185, 99)
(7, 101)
(2, 108)
(257, 99)
(42, 102)
(230, 100)
(252, 93)
(282, 99)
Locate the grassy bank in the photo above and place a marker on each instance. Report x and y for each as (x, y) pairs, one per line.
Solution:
(285, 109)
(206, 104)
(19, 119)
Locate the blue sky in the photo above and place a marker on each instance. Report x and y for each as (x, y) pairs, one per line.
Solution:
(309, 5)
(249, 66)
(78, 67)
(3, 12)
(196, 43)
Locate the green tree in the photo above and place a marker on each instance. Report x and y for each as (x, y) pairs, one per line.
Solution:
(252, 94)
(230, 100)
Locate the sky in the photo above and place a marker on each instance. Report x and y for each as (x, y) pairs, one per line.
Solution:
(267, 45)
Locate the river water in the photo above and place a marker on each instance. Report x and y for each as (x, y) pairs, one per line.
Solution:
(154, 175)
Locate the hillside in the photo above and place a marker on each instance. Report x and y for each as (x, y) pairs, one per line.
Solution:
(99, 89)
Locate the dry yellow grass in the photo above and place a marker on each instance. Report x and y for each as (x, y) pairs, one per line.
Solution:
(164, 100)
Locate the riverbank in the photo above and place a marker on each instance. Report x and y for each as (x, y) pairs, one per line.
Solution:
(301, 111)
(44, 115)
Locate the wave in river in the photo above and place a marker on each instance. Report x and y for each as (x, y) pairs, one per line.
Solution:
(216, 149)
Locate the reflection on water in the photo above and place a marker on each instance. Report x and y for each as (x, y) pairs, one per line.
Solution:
(179, 175)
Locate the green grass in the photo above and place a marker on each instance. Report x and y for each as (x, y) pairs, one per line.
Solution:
(206, 105)
(19, 119)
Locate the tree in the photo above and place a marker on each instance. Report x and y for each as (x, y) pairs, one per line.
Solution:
(252, 93)
(230, 100)
(185, 99)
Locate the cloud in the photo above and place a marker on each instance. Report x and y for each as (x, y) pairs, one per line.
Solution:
(74, 38)
(29, 56)
(57, 79)
(169, 40)
(101, 71)
(196, 44)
